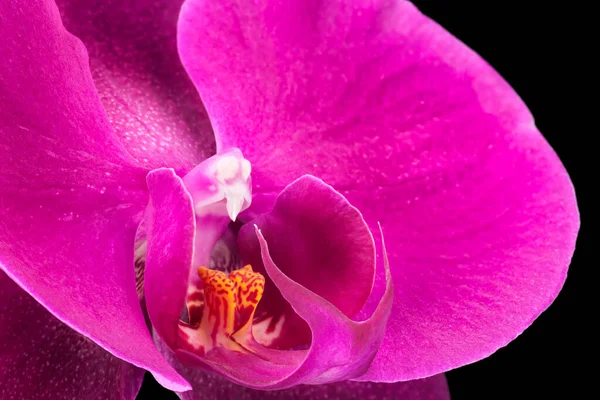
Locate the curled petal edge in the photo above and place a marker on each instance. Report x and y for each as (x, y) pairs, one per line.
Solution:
(341, 348)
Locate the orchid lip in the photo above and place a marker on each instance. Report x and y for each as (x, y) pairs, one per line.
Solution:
(225, 305)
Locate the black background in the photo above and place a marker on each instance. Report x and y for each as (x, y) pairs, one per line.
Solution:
(537, 47)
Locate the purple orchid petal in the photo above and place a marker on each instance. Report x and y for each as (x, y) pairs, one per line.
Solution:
(171, 229)
(340, 348)
(332, 236)
(43, 359)
(151, 103)
(319, 241)
(69, 193)
(419, 133)
(216, 388)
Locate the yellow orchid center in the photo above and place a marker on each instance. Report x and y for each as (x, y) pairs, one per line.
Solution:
(227, 308)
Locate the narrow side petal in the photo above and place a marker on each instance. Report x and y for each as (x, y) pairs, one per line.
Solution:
(216, 388)
(151, 103)
(69, 192)
(419, 133)
(171, 228)
(319, 241)
(43, 359)
(340, 348)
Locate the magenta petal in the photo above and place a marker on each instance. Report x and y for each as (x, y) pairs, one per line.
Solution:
(150, 101)
(217, 388)
(340, 348)
(419, 133)
(69, 194)
(171, 228)
(319, 241)
(43, 359)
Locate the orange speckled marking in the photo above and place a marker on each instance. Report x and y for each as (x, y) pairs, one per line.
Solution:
(229, 303)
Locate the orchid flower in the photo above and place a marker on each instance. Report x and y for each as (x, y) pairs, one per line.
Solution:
(263, 199)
